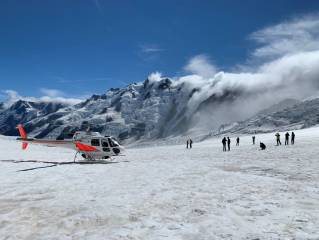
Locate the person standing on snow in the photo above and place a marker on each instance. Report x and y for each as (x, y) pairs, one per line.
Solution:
(228, 143)
(254, 138)
(292, 138)
(187, 142)
(224, 144)
(237, 141)
(278, 138)
(190, 143)
(287, 138)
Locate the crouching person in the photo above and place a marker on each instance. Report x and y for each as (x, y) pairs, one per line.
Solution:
(262, 146)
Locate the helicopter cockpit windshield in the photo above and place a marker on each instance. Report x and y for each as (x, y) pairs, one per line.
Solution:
(113, 142)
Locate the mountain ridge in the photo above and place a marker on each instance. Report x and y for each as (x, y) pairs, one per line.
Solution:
(152, 110)
(297, 115)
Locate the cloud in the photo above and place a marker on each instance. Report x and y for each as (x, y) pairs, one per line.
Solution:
(56, 95)
(288, 67)
(296, 35)
(201, 65)
(49, 95)
(149, 52)
(150, 48)
(70, 101)
(155, 77)
(51, 92)
(10, 97)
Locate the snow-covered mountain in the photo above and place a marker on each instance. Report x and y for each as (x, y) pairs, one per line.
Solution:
(152, 109)
(156, 109)
(27, 112)
(286, 115)
(286, 103)
(142, 109)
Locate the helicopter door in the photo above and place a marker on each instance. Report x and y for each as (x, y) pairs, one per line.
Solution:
(105, 145)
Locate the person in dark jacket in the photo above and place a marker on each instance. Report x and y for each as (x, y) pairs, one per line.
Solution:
(228, 143)
(237, 141)
(262, 146)
(278, 139)
(287, 138)
(187, 143)
(190, 143)
(224, 141)
(254, 138)
(292, 138)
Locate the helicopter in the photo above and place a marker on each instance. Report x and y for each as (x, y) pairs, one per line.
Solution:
(92, 146)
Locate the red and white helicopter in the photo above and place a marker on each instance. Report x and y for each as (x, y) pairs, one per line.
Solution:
(91, 145)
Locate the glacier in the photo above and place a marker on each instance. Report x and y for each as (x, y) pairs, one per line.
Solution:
(164, 192)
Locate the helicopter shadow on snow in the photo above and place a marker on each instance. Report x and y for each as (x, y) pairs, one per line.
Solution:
(55, 163)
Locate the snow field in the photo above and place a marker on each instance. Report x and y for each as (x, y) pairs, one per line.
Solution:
(165, 192)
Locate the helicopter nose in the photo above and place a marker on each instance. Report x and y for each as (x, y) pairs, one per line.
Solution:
(122, 149)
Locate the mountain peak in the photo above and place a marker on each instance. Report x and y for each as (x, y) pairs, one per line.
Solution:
(156, 108)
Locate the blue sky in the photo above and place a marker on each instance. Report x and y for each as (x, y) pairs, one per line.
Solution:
(77, 48)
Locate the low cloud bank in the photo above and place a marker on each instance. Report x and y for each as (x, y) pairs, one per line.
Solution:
(288, 67)
(49, 95)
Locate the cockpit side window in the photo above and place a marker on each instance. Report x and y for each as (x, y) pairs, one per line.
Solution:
(110, 142)
(95, 142)
(104, 143)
